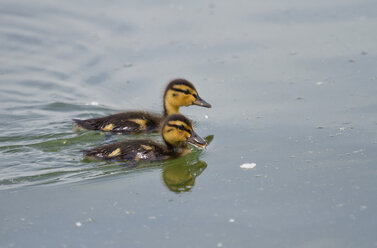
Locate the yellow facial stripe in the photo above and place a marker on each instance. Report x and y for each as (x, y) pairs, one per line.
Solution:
(116, 152)
(108, 127)
(142, 123)
(178, 123)
(146, 147)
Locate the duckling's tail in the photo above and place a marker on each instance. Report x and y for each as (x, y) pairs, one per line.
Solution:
(86, 152)
(89, 154)
(85, 124)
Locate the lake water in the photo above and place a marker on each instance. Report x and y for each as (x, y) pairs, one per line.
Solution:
(293, 87)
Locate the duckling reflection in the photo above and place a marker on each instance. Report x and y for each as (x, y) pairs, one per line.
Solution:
(181, 177)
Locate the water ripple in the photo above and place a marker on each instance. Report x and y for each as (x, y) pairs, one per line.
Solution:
(57, 62)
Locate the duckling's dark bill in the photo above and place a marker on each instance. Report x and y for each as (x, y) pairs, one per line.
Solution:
(200, 102)
(195, 139)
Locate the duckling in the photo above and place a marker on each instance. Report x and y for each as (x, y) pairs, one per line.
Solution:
(176, 132)
(178, 92)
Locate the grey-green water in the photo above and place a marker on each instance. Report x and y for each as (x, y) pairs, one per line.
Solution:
(293, 86)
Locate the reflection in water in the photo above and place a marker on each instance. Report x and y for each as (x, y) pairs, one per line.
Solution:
(180, 177)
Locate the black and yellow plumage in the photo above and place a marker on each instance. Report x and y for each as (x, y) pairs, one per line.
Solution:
(178, 93)
(176, 132)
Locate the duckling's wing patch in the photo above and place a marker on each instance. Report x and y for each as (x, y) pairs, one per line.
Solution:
(125, 126)
(146, 147)
(141, 122)
(125, 122)
(148, 151)
(129, 150)
(115, 153)
(108, 127)
(136, 121)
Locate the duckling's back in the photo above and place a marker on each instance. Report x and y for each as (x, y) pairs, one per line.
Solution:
(125, 122)
(130, 150)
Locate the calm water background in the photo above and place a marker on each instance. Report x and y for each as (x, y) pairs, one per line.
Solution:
(293, 86)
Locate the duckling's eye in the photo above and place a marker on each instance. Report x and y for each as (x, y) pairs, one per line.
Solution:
(186, 92)
(181, 127)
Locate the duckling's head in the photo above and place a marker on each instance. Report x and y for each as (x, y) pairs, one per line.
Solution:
(177, 130)
(181, 92)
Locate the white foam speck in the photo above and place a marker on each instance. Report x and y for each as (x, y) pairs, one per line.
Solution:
(319, 83)
(206, 116)
(219, 244)
(248, 166)
(89, 220)
(78, 224)
(93, 103)
(231, 220)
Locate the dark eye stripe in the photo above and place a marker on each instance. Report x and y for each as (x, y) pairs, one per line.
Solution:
(180, 127)
(187, 92)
